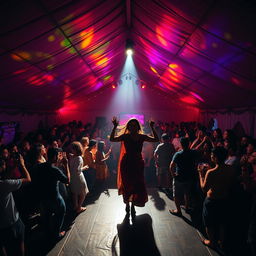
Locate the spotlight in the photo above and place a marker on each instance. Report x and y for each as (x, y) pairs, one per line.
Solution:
(129, 47)
(113, 86)
(129, 52)
(143, 86)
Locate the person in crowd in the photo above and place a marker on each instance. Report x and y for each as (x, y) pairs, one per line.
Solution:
(163, 157)
(130, 177)
(242, 145)
(78, 185)
(12, 156)
(38, 154)
(249, 151)
(229, 135)
(249, 184)
(149, 163)
(4, 154)
(176, 142)
(232, 158)
(205, 152)
(54, 144)
(84, 142)
(25, 149)
(199, 141)
(217, 183)
(183, 172)
(100, 162)
(217, 138)
(89, 160)
(46, 182)
(11, 226)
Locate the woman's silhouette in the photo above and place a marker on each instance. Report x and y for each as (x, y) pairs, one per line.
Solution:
(130, 175)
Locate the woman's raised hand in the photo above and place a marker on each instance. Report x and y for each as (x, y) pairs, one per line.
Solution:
(114, 121)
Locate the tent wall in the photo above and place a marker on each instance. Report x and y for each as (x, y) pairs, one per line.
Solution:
(229, 119)
(176, 115)
(27, 122)
(150, 103)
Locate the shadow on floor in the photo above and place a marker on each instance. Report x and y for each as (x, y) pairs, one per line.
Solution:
(137, 238)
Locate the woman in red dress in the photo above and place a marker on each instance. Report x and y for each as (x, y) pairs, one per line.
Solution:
(130, 175)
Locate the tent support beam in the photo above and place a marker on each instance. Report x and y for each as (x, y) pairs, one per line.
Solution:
(128, 13)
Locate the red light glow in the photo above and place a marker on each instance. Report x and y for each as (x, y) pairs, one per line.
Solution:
(40, 80)
(235, 80)
(69, 106)
(189, 100)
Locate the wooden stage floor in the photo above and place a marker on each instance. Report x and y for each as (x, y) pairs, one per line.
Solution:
(103, 230)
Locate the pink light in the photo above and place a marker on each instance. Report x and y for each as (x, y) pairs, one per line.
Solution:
(197, 96)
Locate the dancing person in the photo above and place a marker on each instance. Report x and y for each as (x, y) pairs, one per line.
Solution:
(78, 185)
(84, 142)
(100, 162)
(130, 175)
(11, 226)
(183, 172)
(46, 182)
(89, 160)
(217, 184)
(163, 157)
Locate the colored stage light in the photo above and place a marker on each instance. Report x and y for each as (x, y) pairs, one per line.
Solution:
(129, 52)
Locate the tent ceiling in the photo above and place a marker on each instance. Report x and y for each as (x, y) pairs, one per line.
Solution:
(197, 52)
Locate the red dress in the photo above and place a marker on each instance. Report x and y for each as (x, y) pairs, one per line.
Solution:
(130, 176)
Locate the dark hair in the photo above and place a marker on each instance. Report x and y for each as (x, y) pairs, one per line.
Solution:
(135, 121)
(92, 143)
(165, 137)
(52, 153)
(220, 153)
(101, 145)
(184, 142)
(219, 132)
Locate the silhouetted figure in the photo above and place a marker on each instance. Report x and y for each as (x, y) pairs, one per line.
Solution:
(130, 176)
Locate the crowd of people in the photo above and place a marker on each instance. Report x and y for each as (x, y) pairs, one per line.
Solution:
(44, 169)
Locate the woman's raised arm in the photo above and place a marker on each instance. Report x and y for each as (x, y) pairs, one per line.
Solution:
(114, 138)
